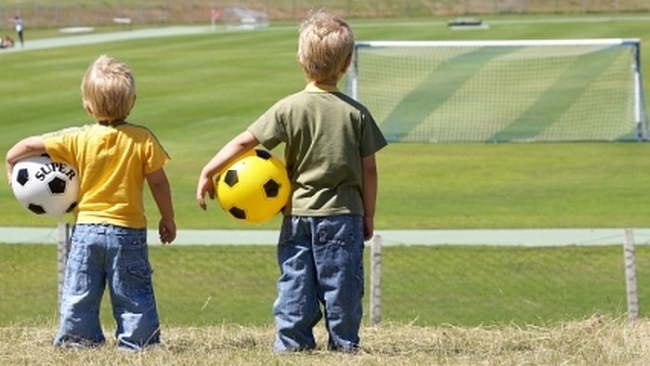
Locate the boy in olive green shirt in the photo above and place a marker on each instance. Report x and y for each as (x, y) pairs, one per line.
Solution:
(330, 145)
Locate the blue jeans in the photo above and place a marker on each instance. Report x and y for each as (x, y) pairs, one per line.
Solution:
(321, 264)
(103, 254)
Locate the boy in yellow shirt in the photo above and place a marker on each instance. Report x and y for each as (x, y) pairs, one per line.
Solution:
(108, 244)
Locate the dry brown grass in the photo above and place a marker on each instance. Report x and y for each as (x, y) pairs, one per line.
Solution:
(595, 341)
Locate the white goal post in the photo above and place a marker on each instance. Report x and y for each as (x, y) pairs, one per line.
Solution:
(502, 90)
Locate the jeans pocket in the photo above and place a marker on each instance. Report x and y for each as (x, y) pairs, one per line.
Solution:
(134, 270)
(77, 270)
(139, 278)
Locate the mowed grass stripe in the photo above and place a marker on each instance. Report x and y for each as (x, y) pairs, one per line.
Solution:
(560, 97)
(435, 90)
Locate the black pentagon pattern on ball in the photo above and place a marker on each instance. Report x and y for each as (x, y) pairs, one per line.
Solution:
(37, 209)
(237, 213)
(231, 178)
(56, 186)
(271, 188)
(22, 177)
(263, 154)
(72, 207)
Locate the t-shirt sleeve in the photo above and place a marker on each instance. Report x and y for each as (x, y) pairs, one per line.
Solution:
(267, 129)
(156, 156)
(61, 145)
(372, 139)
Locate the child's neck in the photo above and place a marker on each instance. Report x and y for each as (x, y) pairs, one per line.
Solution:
(112, 123)
(331, 82)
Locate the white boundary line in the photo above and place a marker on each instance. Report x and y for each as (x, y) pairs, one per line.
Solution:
(498, 237)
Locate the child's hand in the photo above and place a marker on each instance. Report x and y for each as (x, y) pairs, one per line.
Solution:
(166, 231)
(206, 185)
(368, 227)
(10, 168)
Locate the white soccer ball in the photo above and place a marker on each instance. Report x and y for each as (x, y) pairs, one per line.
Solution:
(45, 187)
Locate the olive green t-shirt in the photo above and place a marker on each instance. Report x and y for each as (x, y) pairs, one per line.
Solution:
(326, 134)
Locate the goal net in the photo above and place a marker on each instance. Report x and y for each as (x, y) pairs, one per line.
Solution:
(500, 91)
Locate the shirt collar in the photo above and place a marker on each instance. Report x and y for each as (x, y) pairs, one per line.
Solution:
(320, 88)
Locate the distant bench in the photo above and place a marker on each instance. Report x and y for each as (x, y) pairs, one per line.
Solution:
(122, 20)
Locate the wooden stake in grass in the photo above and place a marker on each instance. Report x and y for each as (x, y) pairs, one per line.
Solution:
(630, 276)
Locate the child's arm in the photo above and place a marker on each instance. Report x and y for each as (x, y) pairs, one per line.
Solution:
(159, 186)
(30, 146)
(237, 146)
(369, 168)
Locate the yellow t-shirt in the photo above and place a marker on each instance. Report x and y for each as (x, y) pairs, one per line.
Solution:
(112, 163)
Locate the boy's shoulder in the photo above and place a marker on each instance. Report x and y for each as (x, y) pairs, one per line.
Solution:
(94, 127)
(66, 131)
(306, 98)
(141, 129)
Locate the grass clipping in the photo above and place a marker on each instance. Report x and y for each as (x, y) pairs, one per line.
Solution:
(594, 341)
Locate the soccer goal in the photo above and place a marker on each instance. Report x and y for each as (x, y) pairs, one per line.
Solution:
(502, 91)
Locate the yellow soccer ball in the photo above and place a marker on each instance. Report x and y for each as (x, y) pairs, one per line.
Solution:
(254, 188)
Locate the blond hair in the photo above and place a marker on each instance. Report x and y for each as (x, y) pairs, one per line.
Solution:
(108, 90)
(325, 46)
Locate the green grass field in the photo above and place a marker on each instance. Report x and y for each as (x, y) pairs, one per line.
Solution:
(197, 92)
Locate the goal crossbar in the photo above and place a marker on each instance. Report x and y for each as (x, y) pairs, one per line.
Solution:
(504, 43)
